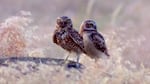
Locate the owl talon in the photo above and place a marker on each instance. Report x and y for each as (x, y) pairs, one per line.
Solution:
(74, 65)
(77, 65)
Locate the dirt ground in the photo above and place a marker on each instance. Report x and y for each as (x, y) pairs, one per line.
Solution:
(26, 29)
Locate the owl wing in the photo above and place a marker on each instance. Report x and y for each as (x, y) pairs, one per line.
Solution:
(55, 36)
(99, 42)
(75, 36)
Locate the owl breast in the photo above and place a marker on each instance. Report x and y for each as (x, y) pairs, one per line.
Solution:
(67, 43)
(89, 46)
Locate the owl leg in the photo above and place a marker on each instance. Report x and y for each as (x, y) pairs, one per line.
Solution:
(96, 60)
(68, 54)
(78, 57)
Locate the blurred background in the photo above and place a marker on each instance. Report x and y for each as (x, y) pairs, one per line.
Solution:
(27, 26)
(124, 24)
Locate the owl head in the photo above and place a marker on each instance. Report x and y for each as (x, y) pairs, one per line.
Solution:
(64, 22)
(88, 25)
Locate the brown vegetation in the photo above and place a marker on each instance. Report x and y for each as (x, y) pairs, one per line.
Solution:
(124, 24)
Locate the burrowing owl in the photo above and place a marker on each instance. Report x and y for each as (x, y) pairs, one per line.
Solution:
(67, 37)
(94, 42)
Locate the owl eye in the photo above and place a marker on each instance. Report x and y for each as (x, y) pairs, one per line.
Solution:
(59, 21)
(68, 21)
(89, 25)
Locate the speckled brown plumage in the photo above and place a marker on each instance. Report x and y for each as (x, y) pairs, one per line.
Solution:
(94, 42)
(69, 40)
(67, 37)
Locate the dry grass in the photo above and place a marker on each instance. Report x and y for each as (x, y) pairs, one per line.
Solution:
(127, 37)
(114, 70)
(12, 37)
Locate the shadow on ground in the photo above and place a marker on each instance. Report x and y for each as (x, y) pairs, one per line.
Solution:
(41, 60)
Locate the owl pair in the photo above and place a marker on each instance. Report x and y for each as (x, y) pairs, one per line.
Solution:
(89, 41)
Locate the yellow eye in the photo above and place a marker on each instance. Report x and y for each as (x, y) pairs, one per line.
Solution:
(68, 21)
(89, 25)
(58, 21)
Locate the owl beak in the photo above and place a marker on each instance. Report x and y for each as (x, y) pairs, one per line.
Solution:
(62, 25)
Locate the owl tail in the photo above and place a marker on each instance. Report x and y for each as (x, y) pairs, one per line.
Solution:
(84, 51)
(106, 53)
